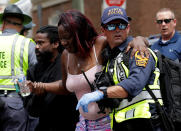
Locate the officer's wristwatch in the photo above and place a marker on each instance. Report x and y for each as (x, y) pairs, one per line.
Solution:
(104, 90)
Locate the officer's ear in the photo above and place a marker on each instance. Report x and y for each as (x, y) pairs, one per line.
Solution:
(3, 26)
(128, 29)
(103, 30)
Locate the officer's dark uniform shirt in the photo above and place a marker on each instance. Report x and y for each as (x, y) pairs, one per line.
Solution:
(171, 49)
(55, 112)
(139, 76)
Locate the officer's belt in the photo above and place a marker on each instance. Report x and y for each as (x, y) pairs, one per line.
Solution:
(144, 95)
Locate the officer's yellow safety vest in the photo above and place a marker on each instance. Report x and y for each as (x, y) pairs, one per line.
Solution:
(13, 57)
(138, 107)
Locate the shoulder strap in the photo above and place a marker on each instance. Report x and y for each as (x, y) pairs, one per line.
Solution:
(95, 55)
(126, 57)
(160, 59)
(67, 61)
(152, 94)
(166, 121)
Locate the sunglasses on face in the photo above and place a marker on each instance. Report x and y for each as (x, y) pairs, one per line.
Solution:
(165, 20)
(111, 27)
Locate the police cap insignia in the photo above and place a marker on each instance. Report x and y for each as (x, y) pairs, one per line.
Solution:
(140, 61)
(112, 13)
(115, 11)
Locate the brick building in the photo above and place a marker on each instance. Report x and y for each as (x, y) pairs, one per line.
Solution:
(142, 12)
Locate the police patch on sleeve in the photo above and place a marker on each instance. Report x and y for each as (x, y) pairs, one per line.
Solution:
(140, 61)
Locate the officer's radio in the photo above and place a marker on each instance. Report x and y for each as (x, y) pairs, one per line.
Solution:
(103, 79)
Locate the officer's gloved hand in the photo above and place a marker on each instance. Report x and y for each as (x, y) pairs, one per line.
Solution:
(88, 98)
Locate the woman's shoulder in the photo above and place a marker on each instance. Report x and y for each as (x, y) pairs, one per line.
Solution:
(101, 39)
(64, 53)
(100, 42)
(64, 56)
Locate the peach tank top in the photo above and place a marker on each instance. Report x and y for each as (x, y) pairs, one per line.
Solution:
(78, 85)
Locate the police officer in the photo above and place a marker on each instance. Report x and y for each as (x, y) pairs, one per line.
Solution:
(137, 108)
(16, 53)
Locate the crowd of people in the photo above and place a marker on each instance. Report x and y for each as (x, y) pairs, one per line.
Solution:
(61, 63)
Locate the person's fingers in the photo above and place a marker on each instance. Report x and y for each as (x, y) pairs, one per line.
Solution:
(36, 88)
(35, 84)
(146, 42)
(147, 53)
(31, 88)
(128, 48)
(78, 105)
(142, 54)
(39, 87)
(133, 52)
(29, 84)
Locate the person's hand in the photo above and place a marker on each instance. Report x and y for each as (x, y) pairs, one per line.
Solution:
(30, 84)
(37, 87)
(88, 98)
(139, 44)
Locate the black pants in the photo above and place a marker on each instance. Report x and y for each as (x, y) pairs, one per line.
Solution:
(139, 124)
(177, 126)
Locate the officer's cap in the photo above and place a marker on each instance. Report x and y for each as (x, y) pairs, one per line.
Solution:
(14, 10)
(114, 12)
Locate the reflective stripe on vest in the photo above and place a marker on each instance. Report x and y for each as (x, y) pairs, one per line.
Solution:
(13, 56)
(144, 95)
(138, 107)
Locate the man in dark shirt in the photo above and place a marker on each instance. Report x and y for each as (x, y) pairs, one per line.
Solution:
(55, 112)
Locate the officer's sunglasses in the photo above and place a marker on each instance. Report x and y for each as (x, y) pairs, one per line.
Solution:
(111, 27)
(165, 20)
